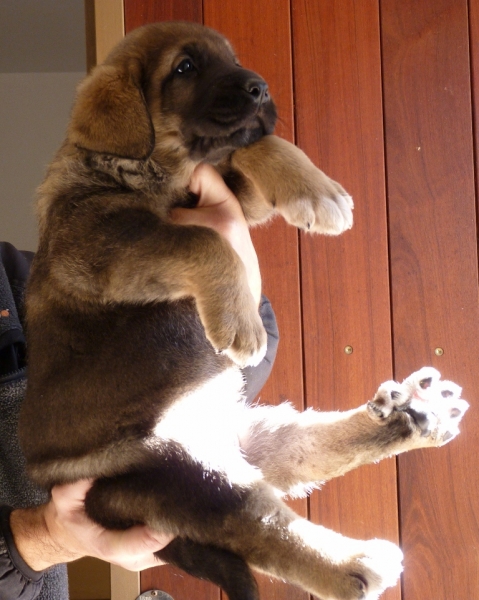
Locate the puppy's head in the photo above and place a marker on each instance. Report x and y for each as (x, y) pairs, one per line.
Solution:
(171, 88)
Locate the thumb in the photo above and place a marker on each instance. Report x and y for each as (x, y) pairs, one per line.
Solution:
(71, 495)
(209, 186)
(137, 540)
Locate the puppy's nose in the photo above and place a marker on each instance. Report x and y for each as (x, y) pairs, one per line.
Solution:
(258, 89)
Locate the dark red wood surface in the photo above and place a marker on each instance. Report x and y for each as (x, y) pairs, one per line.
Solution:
(364, 76)
(432, 224)
(345, 280)
(141, 12)
(261, 35)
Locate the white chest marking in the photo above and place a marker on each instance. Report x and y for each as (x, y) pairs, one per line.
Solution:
(206, 423)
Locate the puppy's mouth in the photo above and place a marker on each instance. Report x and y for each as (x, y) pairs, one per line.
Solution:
(215, 143)
(213, 149)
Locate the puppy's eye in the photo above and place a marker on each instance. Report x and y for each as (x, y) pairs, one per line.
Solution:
(185, 66)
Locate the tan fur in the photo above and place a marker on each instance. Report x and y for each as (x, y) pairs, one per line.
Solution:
(302, 194)
(137, 328)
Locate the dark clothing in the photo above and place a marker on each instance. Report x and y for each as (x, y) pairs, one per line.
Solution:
(17, 580)
(256, 377)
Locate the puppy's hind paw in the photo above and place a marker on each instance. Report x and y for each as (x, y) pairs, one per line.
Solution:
(366, 573)
(433, 407)
(379, 567)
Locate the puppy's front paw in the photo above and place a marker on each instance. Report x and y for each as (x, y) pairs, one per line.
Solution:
(320, 205)
(249, 344)
(283, 178)
(377, 566)
(235, 329)
(433, 408)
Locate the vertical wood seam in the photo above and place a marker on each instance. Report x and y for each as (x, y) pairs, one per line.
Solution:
(474, 116)
(388, 248)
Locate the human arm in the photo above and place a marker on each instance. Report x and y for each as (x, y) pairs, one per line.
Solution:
(60, 531)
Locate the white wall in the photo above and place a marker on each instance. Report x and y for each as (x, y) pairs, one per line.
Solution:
(34, 111)
(42, 58)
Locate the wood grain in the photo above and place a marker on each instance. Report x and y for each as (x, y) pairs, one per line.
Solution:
(345, 280)
(474, 54)
(260, 33)
(141, 12)
(434, 276)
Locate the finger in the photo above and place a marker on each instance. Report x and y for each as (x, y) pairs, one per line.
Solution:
(209, 186)
(70, 495)
(140, 563)
(136, 541)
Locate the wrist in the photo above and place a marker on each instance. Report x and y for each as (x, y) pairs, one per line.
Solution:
(34, 541)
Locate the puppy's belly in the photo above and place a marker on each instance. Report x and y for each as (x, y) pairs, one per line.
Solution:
(207, 423)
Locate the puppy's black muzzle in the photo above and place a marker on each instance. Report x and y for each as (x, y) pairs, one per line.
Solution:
(258, 90)
(233, 108)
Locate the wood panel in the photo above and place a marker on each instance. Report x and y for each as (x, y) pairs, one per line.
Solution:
(260, 33)
(345, 280)
(434, 277)
(474, 54)
(141, 12)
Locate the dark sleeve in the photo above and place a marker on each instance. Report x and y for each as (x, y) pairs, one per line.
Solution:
(256, 377)
(14, 270)
(17, 580)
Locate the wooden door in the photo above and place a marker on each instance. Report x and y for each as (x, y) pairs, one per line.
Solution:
(382, 99)
(433, 246)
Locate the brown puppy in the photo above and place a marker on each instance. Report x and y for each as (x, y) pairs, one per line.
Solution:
(150, 322)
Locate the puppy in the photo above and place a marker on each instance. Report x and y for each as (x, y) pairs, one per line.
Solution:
(149, 324)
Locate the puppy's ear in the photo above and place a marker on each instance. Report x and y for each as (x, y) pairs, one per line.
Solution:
(110, 114)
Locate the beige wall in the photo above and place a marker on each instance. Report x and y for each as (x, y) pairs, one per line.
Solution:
(34, 109)
(42, 57)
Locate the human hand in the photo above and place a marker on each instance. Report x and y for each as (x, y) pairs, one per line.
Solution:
(60, 531)
(219, 209)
